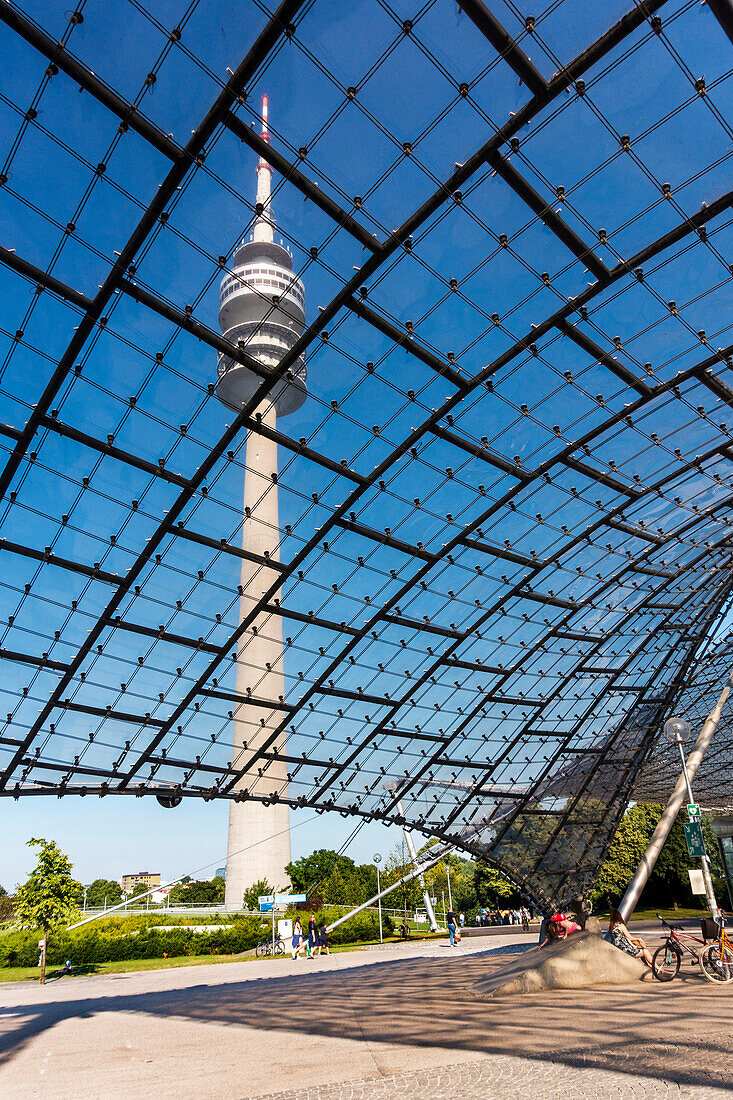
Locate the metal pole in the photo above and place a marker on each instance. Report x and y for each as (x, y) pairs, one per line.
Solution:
(706, 876)
(660, 834)
(274, 903)
(379, 903)
(442, 894)
(450, 899)
(426, 896)
(426, 866)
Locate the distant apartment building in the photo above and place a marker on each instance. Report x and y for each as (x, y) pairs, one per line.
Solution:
(141, 878)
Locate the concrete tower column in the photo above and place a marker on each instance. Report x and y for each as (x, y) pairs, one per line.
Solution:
(262, 311)
(259, 836)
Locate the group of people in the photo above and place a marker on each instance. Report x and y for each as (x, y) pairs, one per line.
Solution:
(503, 916)
(316, 941)
(559, 927)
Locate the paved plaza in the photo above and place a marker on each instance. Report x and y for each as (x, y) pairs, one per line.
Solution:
(401, 1021)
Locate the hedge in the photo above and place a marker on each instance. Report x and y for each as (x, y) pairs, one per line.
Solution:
(364, 927)
(88, 946)
(134, 937)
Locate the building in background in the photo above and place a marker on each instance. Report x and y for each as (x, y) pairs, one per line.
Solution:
(148, 879)
(262, 310)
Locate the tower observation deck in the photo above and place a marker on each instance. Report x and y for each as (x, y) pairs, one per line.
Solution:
(261, 309)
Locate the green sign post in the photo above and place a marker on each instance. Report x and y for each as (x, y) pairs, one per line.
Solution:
(693, 811)
(695, 842)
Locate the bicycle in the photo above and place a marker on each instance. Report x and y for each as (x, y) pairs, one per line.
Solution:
(404, 930)
(266, 947)
(715, 959)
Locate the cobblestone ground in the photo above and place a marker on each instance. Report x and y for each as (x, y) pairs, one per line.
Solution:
(506, 1078)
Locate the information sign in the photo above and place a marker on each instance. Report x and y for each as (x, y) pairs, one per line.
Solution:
(693, 836)
(697, 881)
(693, 810)
(267, 901)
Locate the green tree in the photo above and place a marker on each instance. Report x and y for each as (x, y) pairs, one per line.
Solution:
(255, 891)
(669, 881)
(6, 905)
(138, 893)
(200, 892)
(305, 873)
(46, 899)
(349, 883)
(103, 891)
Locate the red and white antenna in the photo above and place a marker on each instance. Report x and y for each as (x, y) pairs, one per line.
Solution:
(265, 135)
(263, 229)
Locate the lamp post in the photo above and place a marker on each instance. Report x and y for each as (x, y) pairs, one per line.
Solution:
(450, 899)
(678, 731)
(377, 861)
(666, 821)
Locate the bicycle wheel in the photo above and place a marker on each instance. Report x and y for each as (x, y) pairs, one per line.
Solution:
(716, 963)
(261, 950)
(279, 947)
(666, 963)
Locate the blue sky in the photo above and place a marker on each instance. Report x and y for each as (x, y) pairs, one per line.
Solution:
(649, 96)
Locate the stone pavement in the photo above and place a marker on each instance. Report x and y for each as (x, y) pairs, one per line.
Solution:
(367, 1025)
(505, 1078)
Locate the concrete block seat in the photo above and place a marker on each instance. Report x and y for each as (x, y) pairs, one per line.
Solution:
(583, 959)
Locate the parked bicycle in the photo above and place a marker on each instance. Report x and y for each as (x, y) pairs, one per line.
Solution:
(267, 947)
(714, 958)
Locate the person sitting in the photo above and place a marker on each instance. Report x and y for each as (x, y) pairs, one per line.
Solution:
(559, 927)
(618, 934)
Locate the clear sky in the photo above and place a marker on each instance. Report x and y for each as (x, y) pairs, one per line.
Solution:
(679, 138)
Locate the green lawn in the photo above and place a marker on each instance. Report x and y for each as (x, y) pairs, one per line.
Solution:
(668, 914)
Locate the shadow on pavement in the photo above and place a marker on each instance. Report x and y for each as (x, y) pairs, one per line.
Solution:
(681, 1032)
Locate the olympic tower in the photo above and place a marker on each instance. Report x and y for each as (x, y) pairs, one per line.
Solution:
(262, 310)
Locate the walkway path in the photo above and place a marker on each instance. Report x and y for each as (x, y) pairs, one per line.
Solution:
(400, 1021)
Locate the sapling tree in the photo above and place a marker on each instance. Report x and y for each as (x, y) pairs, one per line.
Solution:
(47, 899)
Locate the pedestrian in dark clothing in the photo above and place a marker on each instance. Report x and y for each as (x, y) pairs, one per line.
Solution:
(323, 944)
(312, 936)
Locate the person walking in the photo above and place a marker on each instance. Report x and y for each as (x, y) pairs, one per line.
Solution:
(462, 920)
(297, 938)
(452, 927)
(312, 936)
(323, 943)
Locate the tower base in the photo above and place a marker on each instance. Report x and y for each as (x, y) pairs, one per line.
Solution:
(251, 859)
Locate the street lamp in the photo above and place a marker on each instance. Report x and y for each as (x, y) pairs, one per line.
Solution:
(678, 731)
(377, 861)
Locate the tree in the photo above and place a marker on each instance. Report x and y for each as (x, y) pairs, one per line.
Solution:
(256, 890)
(306, 872)
(669, 881)
(6, 905)
(138, 893)
(46, 900)
(200, 892)
(490, 886)
(103, 892)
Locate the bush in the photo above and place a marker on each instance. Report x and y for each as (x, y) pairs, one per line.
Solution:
(363, 927)
(116, 941)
